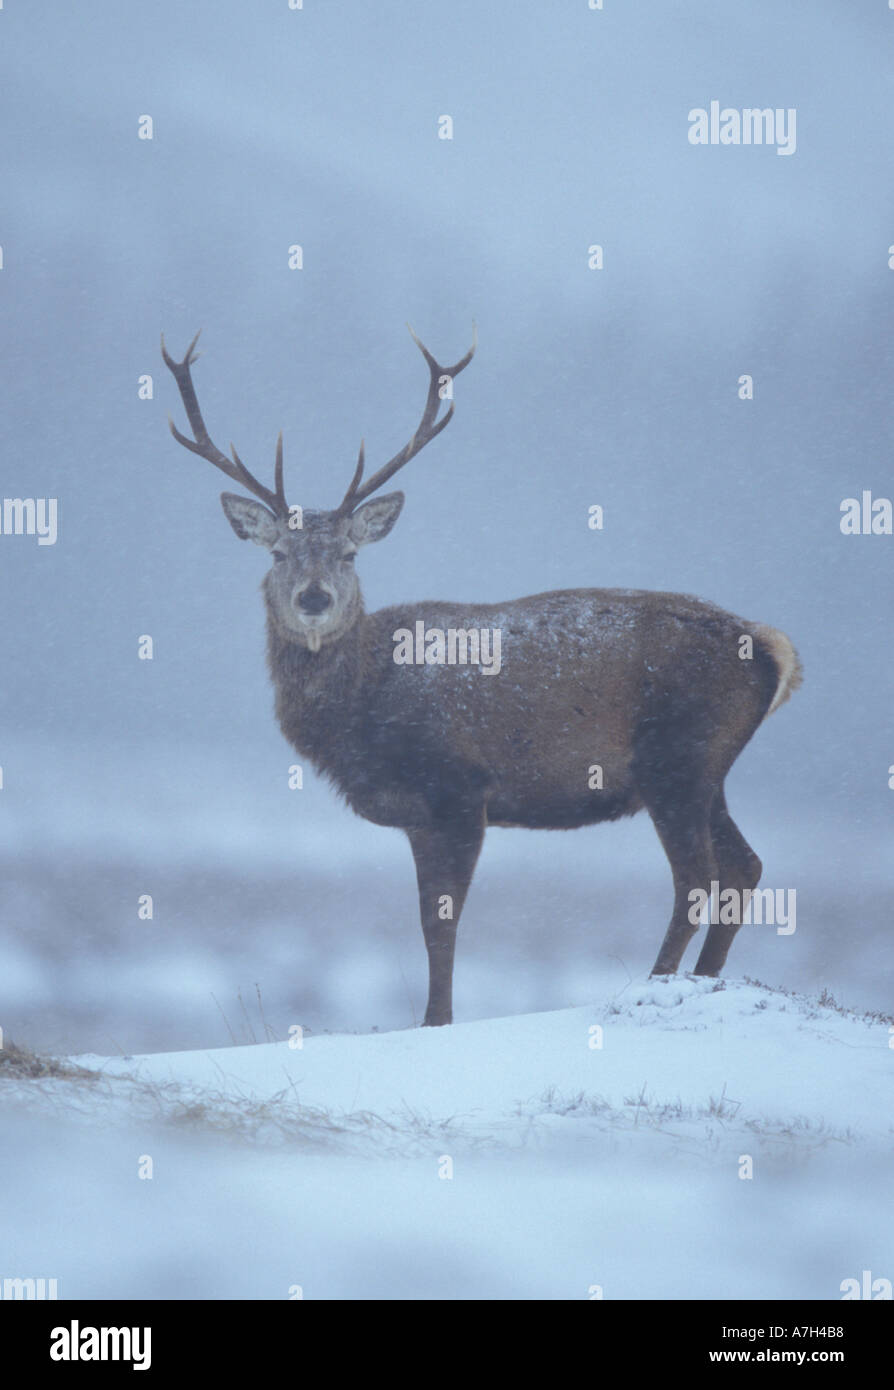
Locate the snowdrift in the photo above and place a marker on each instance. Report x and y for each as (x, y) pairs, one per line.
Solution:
(682, 1138)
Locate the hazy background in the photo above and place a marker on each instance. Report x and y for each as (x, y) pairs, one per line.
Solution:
(619, 387)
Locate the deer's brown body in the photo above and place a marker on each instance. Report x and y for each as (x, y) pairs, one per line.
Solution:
(655, 690)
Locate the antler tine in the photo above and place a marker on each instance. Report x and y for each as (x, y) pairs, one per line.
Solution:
(281, 503)
(346, 504)
(463, 361)
(203, 445)
(427, 429)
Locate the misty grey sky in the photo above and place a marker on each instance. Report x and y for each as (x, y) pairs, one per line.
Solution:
(320, 127)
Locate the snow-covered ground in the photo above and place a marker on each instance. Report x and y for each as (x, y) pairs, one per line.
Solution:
(574, 1167)
(546, 1155)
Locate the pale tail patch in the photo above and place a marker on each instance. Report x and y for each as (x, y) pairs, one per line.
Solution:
(788, 664)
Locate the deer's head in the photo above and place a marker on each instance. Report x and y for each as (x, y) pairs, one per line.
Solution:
(312, 591)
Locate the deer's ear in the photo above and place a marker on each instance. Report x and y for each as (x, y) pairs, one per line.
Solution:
(375, 519)
(251, 521)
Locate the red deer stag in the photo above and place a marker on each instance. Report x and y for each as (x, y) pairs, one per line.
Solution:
(444, 718)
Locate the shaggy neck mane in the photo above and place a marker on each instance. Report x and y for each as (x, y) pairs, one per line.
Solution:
(317, 693)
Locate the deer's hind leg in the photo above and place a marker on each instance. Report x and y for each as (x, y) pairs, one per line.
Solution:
(738, 867)
(678, 791)
(685, 832)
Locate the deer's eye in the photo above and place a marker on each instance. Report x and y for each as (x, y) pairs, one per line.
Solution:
(352, 555)
(278, 556)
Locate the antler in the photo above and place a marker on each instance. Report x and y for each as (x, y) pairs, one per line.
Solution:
(203, 446)
(425, 431)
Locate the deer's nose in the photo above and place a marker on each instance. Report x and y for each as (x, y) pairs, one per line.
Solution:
(314, 599)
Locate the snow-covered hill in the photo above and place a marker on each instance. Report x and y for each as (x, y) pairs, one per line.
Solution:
(541, 1156)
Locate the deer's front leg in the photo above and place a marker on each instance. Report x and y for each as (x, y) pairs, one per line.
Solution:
(446, 854)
